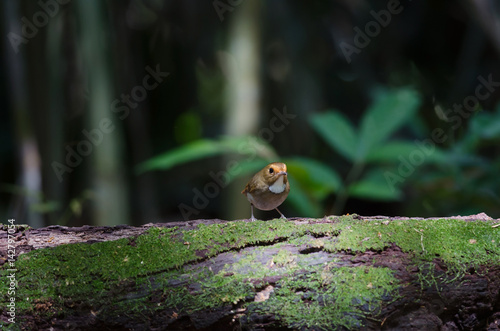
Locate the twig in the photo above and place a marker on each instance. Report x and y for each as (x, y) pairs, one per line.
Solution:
(343, 193)
(421, 239)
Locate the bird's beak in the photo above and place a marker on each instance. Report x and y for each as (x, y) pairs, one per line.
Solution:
(281, 173)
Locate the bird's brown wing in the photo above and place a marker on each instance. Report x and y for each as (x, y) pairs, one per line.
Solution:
(253, 184)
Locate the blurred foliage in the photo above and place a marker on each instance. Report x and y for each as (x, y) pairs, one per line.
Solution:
(369, 146)
(311, 180)
(372, 154)
(465, 176)
(188, 127)
(389, 111)
(44, 206)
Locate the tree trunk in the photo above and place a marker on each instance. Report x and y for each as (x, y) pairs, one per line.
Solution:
(109, 188)
(334, 273)
(242, 65)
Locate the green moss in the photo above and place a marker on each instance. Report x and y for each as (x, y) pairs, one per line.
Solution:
(456, 242)
(284, 258)
(90, 276)
(330, 297)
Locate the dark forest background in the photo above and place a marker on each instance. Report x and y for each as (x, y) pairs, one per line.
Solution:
(129, 112)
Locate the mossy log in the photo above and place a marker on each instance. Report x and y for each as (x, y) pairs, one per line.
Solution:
(333, 273)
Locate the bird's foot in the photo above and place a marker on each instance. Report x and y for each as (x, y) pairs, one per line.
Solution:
(281, 214)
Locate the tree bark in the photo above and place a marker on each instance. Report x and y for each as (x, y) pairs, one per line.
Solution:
(308, 274)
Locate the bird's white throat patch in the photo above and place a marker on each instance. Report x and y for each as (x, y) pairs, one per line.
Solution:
(278, 186)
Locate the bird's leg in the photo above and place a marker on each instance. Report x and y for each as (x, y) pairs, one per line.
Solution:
(253, 218)
(282, 216)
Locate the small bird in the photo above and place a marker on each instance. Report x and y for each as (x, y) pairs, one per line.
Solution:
(268, 188)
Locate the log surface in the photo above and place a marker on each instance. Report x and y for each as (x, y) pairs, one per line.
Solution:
(238, 285)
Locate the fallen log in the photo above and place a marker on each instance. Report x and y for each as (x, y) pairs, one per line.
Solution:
(333, 273)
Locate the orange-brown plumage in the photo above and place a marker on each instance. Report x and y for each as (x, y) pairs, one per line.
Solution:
(268, 188)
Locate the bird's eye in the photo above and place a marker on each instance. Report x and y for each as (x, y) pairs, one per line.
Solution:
(271, 170)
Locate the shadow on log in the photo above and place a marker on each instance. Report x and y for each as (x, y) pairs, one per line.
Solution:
(334, 273)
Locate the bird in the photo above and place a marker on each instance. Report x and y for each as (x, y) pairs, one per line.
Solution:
(268, 188)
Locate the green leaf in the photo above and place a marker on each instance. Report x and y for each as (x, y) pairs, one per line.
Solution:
(337, 131)
(420, 149)
(374, 186)
(200, 149)
(317, 178)
(301, 202)
(249, 146)
(193, 151)
(485, 125)
(246, 168)
(45, 207)
(389, 111)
